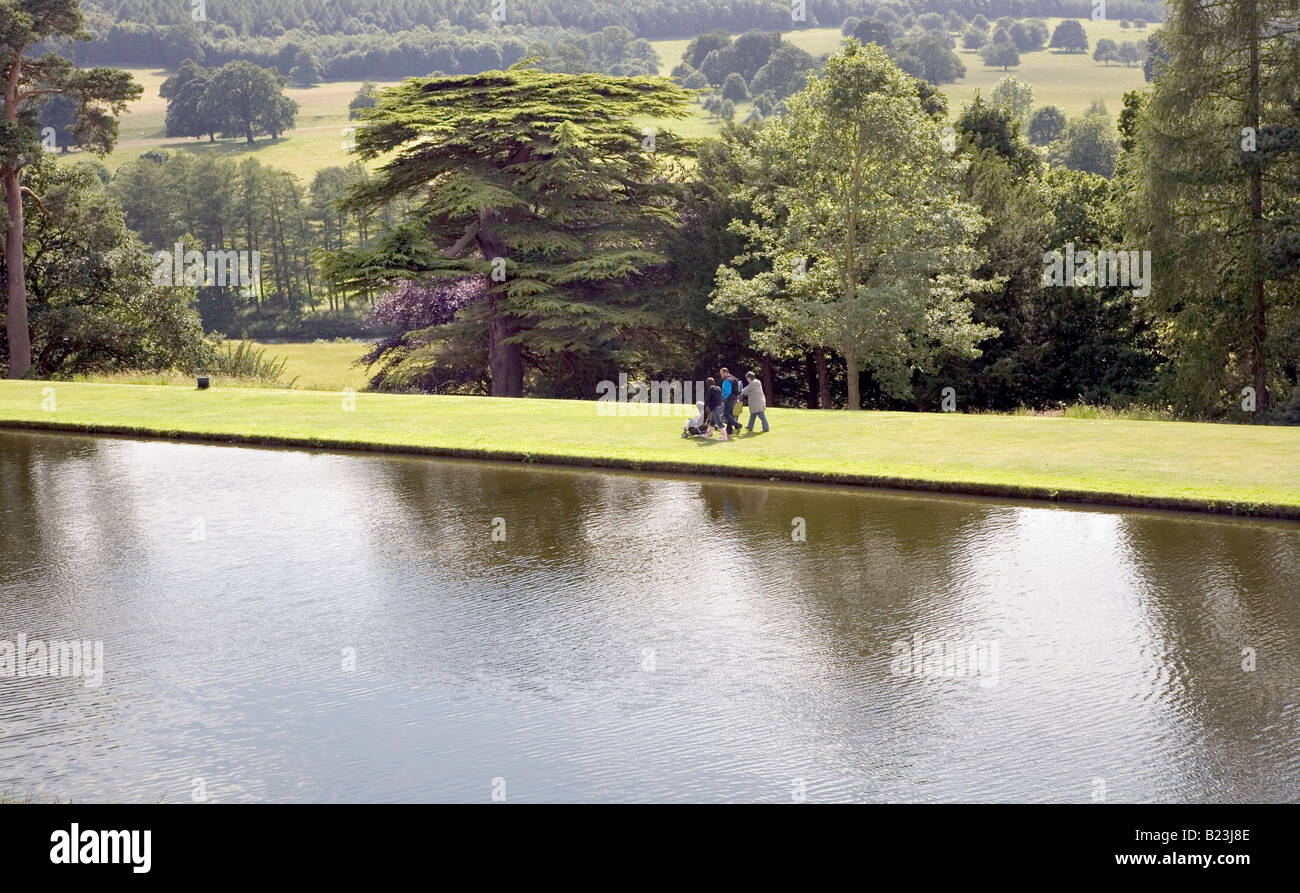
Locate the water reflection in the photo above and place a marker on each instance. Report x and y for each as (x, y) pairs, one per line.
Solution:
(631, 638)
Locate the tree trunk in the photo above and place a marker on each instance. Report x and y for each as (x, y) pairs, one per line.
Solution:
(851, 359)
(810, 381)
(20, 337)
(823, 379)
(1259, 328)
(505, 361)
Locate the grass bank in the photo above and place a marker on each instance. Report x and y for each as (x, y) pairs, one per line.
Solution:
(1230, 469)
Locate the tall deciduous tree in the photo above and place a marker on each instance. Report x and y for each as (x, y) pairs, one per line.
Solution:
(248, 100)
(564, 196)
(869, 245)
(100, 94)
(1215, 178)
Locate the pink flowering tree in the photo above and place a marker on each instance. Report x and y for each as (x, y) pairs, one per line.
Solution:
(427, 348)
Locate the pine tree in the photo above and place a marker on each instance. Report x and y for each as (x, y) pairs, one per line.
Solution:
(1213, 175)
(550, 177)
(100, 94)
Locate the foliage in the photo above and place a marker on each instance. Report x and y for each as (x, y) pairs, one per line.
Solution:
(865, 244)
(92, 302)
(414, 355)
(546, 175)
(1046, 126)
(1070, 36)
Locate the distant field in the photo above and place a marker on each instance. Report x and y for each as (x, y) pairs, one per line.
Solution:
(1070, 82)
(316, 142)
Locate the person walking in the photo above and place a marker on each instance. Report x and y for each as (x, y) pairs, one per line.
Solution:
(757, 401)
(713, 408)
(730, 394)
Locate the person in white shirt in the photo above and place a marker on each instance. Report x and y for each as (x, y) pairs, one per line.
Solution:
(757, 401)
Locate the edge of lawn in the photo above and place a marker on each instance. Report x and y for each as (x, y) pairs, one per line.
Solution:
(970, 488)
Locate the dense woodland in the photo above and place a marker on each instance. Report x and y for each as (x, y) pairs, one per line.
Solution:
(382, 40)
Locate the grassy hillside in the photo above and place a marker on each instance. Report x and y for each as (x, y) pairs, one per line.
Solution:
(1191, 465)
(1069, 81)
(316, 142)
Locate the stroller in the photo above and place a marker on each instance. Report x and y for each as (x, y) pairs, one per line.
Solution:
(697, 426)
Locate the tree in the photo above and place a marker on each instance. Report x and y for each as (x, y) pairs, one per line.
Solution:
(973, 38)
(413, 356)
(1132, 52)
(1029, 36)
(867, 245)
(306, 70)
(701, 46)
(94, 305)
(1014, 95)
(1070, 36)
(1107, 51)
(734, 88)
(247, 100)
(1215, 182)
(1089, 144)
(718, 64)
(59, 114)
(927, 56)
(366, 98)
(785, 73)
(1047, 124)
(550, 177)
(1154, 59)
(185, 92)
(990, 126)
(100, 94)
(1000, 55)
(872, 31)
(751, 51)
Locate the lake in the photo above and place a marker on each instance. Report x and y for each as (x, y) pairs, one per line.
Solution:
(283, 625)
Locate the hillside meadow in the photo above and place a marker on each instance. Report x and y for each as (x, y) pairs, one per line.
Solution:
(1070, 81)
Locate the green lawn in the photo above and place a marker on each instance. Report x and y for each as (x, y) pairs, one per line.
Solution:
(321, 365)
(1127, 462)
(311, 366)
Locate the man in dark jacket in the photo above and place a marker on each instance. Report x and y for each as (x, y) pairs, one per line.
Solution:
(713, 409)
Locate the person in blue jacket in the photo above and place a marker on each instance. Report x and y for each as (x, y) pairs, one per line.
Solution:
(730, 394)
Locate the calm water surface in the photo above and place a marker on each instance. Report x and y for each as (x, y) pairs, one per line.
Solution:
(633, 638)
